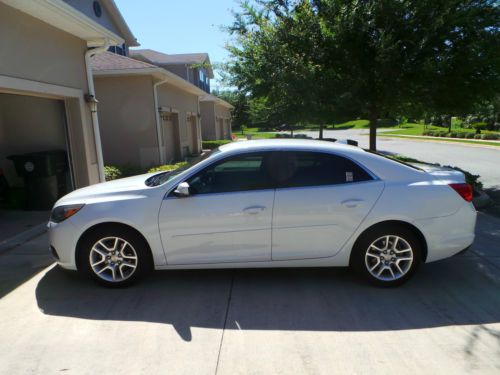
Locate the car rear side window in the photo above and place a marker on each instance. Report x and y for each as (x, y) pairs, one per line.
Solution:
(298, 169)
(238, 173)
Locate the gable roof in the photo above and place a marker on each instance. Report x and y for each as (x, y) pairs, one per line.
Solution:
(216, 100)
(159, 58)
(108, 64)
(120, 22)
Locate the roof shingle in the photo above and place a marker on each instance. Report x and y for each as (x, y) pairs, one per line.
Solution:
(112, 61)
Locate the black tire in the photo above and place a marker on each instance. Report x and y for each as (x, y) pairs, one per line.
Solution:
(136, 246)
(361, 262)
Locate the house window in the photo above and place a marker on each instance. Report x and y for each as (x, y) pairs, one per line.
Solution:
(97, 9)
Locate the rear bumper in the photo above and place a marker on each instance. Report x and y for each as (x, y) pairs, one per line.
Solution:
(449, 235)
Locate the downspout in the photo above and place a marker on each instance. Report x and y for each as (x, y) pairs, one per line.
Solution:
(95, 120)
(158, 121)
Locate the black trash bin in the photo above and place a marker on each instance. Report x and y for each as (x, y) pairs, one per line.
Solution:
(44, 176)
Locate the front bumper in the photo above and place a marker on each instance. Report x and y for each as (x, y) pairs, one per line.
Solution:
(63, 237)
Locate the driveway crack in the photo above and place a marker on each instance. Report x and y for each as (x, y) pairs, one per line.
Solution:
(230, 294)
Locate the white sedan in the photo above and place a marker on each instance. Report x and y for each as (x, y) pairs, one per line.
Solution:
(270, 203)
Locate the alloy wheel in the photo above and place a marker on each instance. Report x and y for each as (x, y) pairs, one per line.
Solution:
(389, 258)
(113, 259)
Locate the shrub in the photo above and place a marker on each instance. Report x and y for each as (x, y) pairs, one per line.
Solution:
(210, 145)
(469, 135)
(479, 125)
(461, 134)
(453, 135)
(112, 172)
(477, 136)
(441, 133)
(491, 136)
(430, 133)
(168, 167)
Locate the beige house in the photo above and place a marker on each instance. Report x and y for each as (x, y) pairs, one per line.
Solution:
(46, 86)
(148, 115)
(196, 69)
(215, 118)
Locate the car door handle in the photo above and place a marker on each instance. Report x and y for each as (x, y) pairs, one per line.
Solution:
(352, 203)
(253, 210)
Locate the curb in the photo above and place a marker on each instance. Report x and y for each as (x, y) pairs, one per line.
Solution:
(22, 237)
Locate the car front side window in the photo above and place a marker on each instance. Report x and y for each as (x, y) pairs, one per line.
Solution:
(237, 173)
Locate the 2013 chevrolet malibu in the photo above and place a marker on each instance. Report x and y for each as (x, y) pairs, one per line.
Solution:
(274, 203)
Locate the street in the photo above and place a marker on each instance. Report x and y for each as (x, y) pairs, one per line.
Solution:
(312, 321)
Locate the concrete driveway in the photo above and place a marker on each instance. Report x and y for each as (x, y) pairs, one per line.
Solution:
(476, 159)
(290, 321)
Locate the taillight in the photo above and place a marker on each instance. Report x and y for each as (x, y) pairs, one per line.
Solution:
(464, 190)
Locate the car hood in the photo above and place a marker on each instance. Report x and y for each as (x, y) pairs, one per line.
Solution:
(116, 189)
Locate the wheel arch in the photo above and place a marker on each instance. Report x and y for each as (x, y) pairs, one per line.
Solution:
(107, 225)
(399, 223)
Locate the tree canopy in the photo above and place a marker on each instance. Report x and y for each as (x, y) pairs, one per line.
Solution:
(328, 60)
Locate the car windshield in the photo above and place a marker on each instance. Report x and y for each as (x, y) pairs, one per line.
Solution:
(162, 177)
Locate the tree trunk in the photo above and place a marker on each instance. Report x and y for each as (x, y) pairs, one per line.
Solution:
(448, 119)
(321, 131)
(373, 130)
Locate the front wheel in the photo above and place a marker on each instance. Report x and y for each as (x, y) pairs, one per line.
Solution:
(114, 257)
(387, 256)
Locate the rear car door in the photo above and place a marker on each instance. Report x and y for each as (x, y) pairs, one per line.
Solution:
(320, 200)
(226, 218)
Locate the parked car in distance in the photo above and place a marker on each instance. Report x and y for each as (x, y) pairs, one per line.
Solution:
(267, 203)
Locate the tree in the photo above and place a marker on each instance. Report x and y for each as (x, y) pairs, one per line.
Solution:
(314, 60)
(240, 101)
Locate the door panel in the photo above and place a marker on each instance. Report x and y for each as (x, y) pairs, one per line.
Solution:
(217, 228)
(315, 222)
(227, 216)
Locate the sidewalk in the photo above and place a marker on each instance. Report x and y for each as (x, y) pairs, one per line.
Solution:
(461, 141)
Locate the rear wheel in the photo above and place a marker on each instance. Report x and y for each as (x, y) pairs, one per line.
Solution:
(114, 256)
(387, 256)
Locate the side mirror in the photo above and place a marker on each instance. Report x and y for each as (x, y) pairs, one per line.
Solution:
(182, 190)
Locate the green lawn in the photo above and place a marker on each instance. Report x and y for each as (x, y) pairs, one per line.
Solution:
(255, 133)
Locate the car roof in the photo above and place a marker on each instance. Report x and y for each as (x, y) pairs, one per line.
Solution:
(288, 144)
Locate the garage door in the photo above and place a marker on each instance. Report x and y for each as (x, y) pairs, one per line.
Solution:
(33, 134)
(220, 125)
(169, 138)
(194, 135)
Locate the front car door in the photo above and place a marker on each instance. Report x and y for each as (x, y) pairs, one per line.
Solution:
(226, 218)
(320, 201)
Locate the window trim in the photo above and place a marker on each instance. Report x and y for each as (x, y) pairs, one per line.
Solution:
(374, 177)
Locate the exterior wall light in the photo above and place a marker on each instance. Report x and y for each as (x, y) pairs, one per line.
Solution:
(92, 102)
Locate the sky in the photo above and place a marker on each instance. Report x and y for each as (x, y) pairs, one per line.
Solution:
(181, 26)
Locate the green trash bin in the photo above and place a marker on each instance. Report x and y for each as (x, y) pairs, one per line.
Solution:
(44, 175)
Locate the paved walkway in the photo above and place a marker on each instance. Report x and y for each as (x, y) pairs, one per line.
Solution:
(295, 321)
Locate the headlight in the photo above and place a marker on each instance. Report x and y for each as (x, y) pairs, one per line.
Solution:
(61, 213)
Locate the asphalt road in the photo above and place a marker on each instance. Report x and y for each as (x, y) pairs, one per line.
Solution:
(484, 161)
(289, 321)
